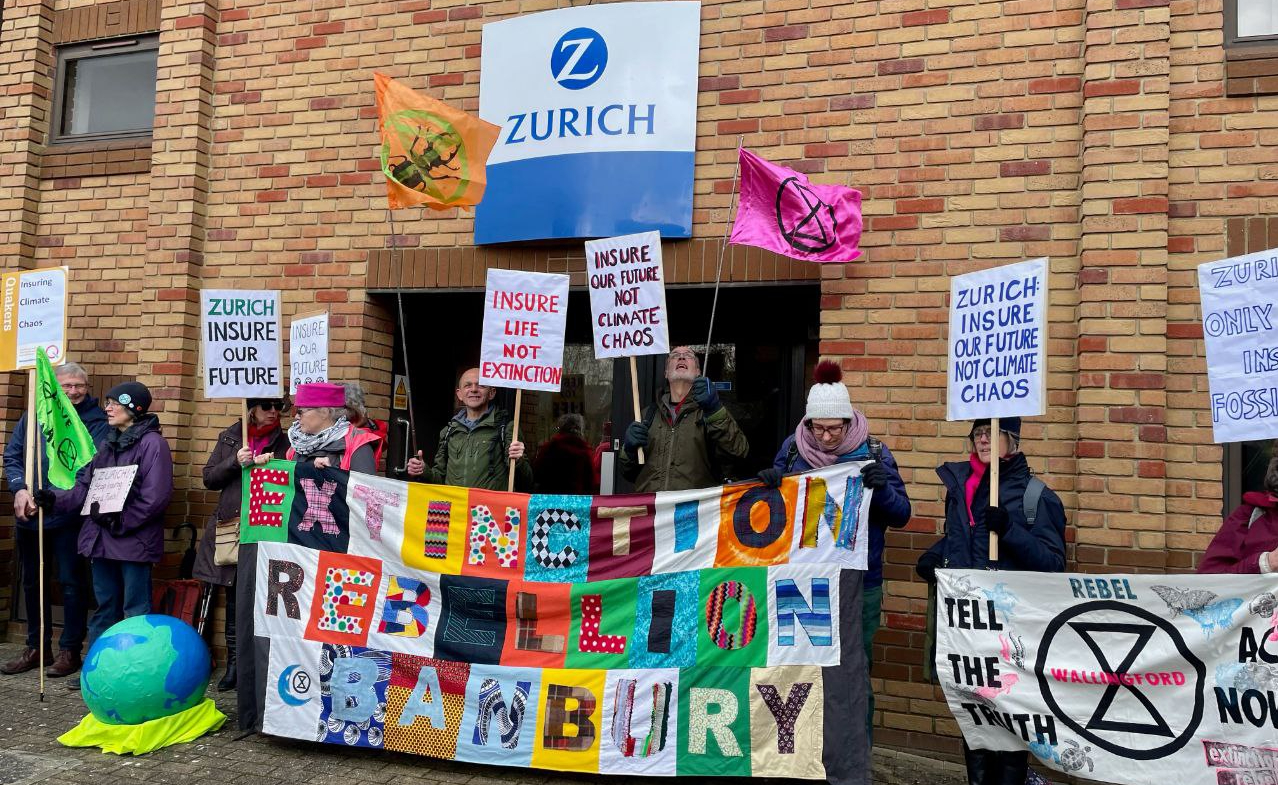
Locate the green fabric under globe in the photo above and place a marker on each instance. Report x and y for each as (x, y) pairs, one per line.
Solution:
(145, 668)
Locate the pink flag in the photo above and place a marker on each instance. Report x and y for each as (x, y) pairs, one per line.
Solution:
(781, 211)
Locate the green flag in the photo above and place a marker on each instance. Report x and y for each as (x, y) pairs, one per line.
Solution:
(66, 441)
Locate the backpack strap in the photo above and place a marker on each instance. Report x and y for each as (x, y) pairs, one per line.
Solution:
(791, 456)
(1033, 492)
(1256, 514)
(448, 435)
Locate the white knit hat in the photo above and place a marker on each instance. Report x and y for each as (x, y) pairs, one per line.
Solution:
(828, 399)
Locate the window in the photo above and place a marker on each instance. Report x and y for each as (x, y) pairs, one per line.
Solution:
(105, 90)
(1250, 22)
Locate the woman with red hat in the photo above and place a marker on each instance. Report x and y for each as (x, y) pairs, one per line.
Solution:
(321, 435)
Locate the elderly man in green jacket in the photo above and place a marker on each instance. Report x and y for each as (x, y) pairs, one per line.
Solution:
(686, 436)
(475, 447)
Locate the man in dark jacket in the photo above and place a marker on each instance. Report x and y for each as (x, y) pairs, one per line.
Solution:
(686, 437)
(475, 447)
(123, 545)
(60, 534)
(1030, 523)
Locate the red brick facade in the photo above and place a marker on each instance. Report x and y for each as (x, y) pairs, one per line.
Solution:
(1095, 132)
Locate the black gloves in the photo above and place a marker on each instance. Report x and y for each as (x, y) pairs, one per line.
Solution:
(926, 568)
(996, 520)
(636, 437)
(44, 499)
(706, 396)
(771, 477)
(107, 520)
(874, 475)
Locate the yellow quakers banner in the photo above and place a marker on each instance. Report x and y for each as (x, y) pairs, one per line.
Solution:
(431, 153)
(703, 632)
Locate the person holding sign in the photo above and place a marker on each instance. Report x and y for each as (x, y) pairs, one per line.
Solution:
(357, 415)
(223, 473)
(122, 535)
(688, 433)
(475, 445)
(1030, 523)
(831, 432)
(321, 434)
(1247, 542)
(60, 532)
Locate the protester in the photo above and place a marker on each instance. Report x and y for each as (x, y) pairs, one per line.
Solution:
(564, 462)
(687, 436)
(476, 446)
(322, 436)
(833, 431)
(1030, 523)
(122, 546)
(60, 535)
(1247, 542)
(357, 415)
(223, 473)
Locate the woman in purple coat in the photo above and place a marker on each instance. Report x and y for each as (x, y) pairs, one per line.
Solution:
(122, 546)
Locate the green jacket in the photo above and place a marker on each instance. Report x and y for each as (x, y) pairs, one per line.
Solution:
(476, 457)
(678, 457)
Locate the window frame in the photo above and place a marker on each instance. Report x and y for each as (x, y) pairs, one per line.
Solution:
(1237, 45)
(87, 50)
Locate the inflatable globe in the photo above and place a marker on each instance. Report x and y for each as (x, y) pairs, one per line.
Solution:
(145, 668)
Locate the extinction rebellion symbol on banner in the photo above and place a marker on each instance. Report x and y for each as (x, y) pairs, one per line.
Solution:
(1120, 654)
(807, 223)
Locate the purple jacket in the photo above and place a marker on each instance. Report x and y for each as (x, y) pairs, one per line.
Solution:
(137, 532)
(1238, 544)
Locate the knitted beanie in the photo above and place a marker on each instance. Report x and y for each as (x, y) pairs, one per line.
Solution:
(828, 399)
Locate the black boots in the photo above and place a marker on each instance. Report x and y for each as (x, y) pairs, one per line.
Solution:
(227, 682)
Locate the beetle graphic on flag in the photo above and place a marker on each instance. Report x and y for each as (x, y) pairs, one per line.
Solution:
(781, 211)
(432, 154)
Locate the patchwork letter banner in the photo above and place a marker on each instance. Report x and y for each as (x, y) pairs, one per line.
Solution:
(704, 632)
(1141, 679)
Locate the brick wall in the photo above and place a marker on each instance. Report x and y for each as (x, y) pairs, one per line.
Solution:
(1094, 132)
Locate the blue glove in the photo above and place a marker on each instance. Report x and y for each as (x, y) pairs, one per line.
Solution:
(706, 396)
(636, 437)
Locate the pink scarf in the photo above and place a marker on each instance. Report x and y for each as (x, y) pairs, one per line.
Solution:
(973, 482)
(815, 453)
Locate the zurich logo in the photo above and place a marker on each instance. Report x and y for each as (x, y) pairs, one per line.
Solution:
(579, 58)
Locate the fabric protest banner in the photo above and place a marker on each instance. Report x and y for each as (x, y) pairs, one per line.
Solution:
(240, 343)
(1137, 679)
(33, 316)
(998, 342)
(1241, 336)
(524, 318)
(782, 211)
(627, 295)
(307, 350)
(705, 632)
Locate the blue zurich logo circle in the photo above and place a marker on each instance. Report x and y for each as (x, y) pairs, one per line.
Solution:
(579, 58)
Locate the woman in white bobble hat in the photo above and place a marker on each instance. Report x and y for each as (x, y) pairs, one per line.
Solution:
(831, 432)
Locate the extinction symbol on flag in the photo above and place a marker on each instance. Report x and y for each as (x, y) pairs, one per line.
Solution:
(816, 227)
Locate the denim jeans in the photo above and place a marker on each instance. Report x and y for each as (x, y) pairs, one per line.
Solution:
(871, 611)
(62, 561)
(123, 589)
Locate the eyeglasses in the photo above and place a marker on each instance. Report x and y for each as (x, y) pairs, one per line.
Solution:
(683, 356)
(982, 432)
(826, 430)
(268, 406)
(72, 386)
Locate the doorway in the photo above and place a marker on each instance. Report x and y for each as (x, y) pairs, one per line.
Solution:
(764, 348)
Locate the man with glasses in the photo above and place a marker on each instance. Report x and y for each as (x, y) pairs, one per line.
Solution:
(60, 534)
(687, 435)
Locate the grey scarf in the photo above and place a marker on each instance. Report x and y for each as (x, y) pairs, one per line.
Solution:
(307, 444)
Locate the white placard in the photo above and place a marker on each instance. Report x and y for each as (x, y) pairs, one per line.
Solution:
(109, 488)
(308, 350)
(524, 317)
(627, 295)
(1240, 330)
(240, 343)
(33, 316)
(998, 342)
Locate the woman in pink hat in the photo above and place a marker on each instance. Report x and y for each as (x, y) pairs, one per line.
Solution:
(321, 434)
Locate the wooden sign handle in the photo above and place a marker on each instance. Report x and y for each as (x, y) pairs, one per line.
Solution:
(996, 454)
(514, 437)
(634, 396)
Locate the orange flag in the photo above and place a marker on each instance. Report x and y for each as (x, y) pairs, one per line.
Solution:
(431, 153)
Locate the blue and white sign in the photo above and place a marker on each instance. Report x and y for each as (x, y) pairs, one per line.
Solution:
(598, 113)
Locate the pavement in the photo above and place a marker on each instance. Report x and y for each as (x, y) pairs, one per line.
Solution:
(30, 753)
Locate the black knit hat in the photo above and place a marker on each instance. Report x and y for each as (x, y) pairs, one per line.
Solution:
(1010, 425)
(133, 396)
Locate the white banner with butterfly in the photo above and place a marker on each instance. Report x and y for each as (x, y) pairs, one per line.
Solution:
(1142, 679)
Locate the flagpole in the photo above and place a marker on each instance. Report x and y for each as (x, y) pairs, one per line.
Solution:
(718, 272)
(34, 484)
(403, 335)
